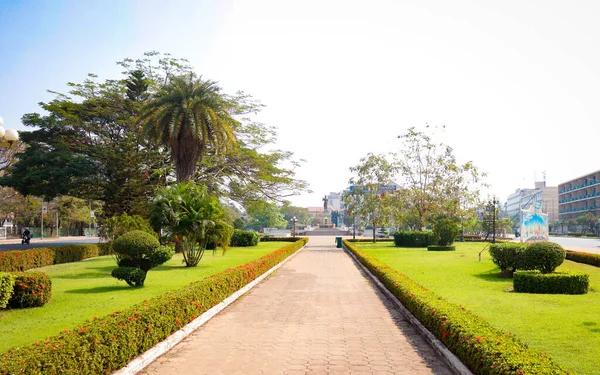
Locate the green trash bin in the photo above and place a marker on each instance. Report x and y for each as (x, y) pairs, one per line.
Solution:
(338, 241)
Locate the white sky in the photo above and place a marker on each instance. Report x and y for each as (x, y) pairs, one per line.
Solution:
(516, 83)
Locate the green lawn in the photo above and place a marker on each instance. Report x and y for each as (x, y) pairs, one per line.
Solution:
(566, 326)
(85, 289)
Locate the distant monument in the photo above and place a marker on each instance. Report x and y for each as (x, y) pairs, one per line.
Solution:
(323, 217)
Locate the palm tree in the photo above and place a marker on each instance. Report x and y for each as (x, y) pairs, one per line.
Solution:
(192, 118)
(197, 219)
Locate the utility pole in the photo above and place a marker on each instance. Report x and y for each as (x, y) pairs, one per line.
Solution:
(91, 217)
(494, 203)
(42, 228)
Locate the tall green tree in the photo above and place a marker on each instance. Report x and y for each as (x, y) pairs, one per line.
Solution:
(433, 182)
(300, 213)
(369, 198)
(89, 146)
(8, 150)
(73, 212)
(265, 215)
(587, 222)
(191, 117)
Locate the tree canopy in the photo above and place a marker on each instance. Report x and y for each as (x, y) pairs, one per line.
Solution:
(91, 142)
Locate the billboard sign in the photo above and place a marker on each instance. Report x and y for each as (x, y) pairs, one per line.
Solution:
(534, 224)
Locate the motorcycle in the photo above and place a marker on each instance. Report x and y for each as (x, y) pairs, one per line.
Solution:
(25, 239)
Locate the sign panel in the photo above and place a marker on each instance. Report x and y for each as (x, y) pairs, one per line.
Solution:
(534, 224)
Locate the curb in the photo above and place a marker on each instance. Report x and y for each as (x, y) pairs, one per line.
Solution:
(455, 364)
(143, 360)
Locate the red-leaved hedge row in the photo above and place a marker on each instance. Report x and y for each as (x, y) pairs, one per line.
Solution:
(23, 260)
(480, 346)
(586, 258)
(31, 289)
(108, 343)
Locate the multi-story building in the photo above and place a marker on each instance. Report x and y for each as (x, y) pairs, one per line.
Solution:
(525, 198)
(579, 196)
(514, 203)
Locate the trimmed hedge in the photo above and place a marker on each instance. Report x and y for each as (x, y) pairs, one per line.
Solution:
(106, 344)
(31, 289)
(480, 346)
(414, 238)
(242, 238)
(281, 239)
(370, 240)
(7, 283)
(105, 248)
(74, 253)
(440, 248)
(23, 260)
(581, 257)
(551, 283)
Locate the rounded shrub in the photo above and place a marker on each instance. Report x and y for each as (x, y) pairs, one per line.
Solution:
(31, 289)
(543, 256)
(551, 283)
(161, 255)
(131, 275)
(445, 231)
(136, 244)
(508, 256)
(242, 238)
(140, 250)
(7, 283)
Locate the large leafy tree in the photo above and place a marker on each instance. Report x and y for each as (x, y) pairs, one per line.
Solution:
(434, 184)
(300, 213)
(91, 140)
(46, 170)
(90, 146)
(8, 150)
(192, 118)
(369, 198)
(265, 215)
(587, 222)
(247, 174)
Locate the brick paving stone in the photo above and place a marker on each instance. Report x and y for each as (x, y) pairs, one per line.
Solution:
(316, 315)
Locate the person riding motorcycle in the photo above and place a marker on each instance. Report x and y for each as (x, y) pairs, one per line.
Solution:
(26, 237)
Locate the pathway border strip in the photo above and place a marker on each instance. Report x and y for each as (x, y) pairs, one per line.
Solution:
(447, 356)
(143, 360)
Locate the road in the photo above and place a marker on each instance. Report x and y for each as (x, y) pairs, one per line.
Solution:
(588, 245)
(15, 244)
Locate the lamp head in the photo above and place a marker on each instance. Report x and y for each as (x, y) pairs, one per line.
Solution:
(11, 135)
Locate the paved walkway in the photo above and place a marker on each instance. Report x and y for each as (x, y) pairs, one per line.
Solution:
(316, 315)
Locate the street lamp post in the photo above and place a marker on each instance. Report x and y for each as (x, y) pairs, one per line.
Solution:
(9, 135)
(492, 206)
(294, 220)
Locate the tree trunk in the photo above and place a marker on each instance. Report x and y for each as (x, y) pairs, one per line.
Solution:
(374, 229)
(186, 152)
